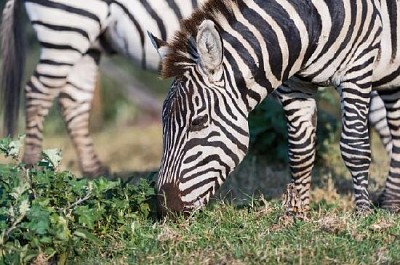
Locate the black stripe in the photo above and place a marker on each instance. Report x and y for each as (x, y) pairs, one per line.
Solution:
(195, 4)
(38, 75)
(139, 30)
(54, 63)
(155, 16)
(48, 45)
(186, 179)
(387, 79)
(309, 14)
(61, 28)
(337, 17)
(199, 185)
(292, 37)
(175, 7)
(345, 43)
(392, 11)
(69, 9)
(269, 36)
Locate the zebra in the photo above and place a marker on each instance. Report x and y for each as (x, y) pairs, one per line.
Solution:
(72, 36)
(86, 31)
(229, 55)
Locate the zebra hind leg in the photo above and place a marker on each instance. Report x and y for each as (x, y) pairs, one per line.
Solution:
(378, 121)
(75, 100)
(44, 85)
(390, 197)
(301, 113)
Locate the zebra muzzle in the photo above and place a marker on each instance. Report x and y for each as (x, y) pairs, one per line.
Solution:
(169, 200)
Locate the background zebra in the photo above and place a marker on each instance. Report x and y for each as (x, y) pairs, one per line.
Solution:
(377, 120)
(230, 55)
(72, 36)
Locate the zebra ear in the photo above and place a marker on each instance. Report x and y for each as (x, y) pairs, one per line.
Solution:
(160, 45)
(209, 47)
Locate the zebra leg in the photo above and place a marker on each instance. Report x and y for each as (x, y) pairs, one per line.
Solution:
(377, 120)
(45, 84)
(75, 100)
(301, 113)
(390, 197)
(354, 140)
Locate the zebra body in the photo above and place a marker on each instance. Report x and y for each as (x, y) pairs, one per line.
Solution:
(72, 36)
(230, 55)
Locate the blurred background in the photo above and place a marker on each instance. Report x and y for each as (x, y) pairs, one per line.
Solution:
(126, 127)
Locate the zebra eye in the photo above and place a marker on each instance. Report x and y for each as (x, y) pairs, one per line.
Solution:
(199, 122)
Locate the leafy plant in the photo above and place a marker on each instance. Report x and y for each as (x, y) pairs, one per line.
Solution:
(46, 214)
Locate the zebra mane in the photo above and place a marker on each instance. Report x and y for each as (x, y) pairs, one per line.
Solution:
(183, 51)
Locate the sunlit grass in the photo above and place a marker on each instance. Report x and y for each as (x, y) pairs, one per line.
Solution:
(256, 234)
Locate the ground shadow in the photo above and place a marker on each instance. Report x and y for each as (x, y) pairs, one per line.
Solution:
(255, 177)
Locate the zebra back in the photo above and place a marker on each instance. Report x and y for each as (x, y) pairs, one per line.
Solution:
(13, 54)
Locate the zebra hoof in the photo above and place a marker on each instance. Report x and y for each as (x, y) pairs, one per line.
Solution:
(363, 208)
(363, 211)
(389, 203)
(31, 159)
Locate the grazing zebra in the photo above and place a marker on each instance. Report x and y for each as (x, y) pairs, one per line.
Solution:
(71, 49)
(229, 55)
(72, 36)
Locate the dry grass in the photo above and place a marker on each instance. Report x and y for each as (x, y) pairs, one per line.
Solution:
(123, 149)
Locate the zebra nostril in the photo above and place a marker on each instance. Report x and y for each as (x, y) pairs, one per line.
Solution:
(169, 200)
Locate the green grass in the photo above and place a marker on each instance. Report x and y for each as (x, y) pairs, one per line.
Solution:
(240, 228)
(255, 234)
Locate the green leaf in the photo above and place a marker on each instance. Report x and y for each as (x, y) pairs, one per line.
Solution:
(15, 146)
(86, 216)
(85, 234)
(39, 220)
(60, 227)
(54, 156)
(19, 190)
(24, 207)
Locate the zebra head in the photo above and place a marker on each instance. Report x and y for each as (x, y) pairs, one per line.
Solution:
(205, 131)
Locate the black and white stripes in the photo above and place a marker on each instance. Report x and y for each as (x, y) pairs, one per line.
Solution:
(230, 55)
(72, 36)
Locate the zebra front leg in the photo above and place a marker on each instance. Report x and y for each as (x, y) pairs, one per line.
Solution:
(76, 100)
(354, 140)
(390, 197)
(301, 113)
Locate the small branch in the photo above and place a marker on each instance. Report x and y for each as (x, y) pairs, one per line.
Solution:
(14, 226)
(76, 203)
